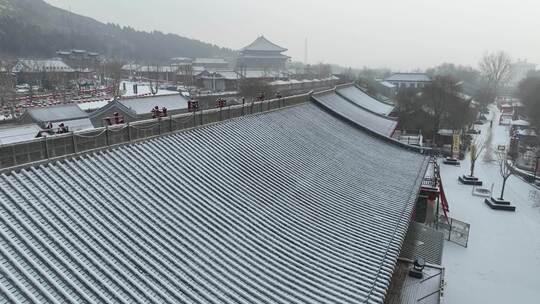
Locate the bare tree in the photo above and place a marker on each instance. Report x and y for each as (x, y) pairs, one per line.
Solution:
(438, 97)
(7, 85)
(153, 89)
(114, 69)
(496, 68)
(504, 169)
(254, 87)
(475, 150)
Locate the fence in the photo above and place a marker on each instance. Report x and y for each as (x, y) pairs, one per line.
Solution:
(18, 154)
(454, 231)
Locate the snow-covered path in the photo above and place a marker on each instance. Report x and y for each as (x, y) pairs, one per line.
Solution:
(502, 261)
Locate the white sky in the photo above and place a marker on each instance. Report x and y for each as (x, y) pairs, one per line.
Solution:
(399, 34)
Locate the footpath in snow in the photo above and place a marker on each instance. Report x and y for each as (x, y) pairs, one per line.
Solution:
(502, 261)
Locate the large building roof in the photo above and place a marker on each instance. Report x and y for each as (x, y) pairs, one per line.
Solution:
(41, 65)
(409, 77)
(291, 206)
(369, 120)
(358, 97)
(263, 44)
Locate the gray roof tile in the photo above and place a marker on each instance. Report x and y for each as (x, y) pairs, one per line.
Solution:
(263, 44)
(357, 114)
(356, 96)
(283, 207)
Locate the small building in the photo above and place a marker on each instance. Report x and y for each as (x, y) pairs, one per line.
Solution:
(210, 64)
(70, 115)
(409, 80)
(158, 72)
(130, 70)
(80, 60)
(184, 70)
(262, 54)
(520, 69)
(218, 81)
(134, 109)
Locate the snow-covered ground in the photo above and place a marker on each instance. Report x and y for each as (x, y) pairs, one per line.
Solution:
(143, 88)
(502, 261)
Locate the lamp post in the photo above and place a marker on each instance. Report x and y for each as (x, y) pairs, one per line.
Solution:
(536, 168)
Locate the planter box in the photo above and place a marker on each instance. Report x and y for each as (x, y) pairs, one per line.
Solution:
(497, 204)
(451, 161)
(470, 180)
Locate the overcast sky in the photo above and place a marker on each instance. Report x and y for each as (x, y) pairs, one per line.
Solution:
(399, 34)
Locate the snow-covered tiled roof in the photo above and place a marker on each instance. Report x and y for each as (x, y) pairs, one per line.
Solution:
(144, 105)
(358, 97)
(291, 206)
(263, 44)
(17, 133)
(41, 65)
(357, 114)
(56, 113)
(409, 77)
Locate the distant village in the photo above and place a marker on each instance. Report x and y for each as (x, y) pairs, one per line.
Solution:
(80, 90)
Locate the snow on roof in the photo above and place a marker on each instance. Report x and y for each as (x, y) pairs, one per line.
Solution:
(17, 133)
(520, 122)
(144, 105)
(358, 97)
(387, 84)
(93, 105)
(445, 132)
(291, 206)
(260, 74)
(359, 115)
(263, 44)
(41, 65)
(200, 61)
(526, 132)
(143, 88)
(229, 75)
(156, 69)
(56, 113)
(130, 67)
(182, 59)
(408, 77)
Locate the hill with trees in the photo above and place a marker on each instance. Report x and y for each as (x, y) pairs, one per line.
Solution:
(34, 28)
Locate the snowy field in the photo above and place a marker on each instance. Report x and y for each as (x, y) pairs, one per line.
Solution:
(502, 261)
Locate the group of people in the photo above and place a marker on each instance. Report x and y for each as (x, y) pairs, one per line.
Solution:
(50, 130)
(62, 128)
(262, 96)
(157, 113)
(116, 119)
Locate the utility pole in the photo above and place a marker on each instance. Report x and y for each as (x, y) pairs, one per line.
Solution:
(306, 51)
